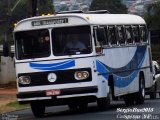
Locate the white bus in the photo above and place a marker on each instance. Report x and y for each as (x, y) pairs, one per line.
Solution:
(115, 60)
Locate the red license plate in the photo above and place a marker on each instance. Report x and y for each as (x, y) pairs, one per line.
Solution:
(52, 92)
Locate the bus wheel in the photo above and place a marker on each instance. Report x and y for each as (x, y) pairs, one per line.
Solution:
(103, 103)
(38, 109)
(140, 96)
(83, 106)
(73, 107)
(153, 93)
(129, 99)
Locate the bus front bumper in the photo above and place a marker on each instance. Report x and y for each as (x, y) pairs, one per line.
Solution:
(26, 97)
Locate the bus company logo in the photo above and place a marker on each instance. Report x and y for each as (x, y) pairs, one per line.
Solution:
(52, 77)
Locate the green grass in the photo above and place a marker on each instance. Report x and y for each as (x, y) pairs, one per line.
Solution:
(17, 105)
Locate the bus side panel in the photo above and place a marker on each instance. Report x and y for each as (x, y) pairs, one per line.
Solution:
(124, 64)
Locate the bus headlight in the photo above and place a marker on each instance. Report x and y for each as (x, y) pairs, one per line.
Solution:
(81, 75)
(25, 80)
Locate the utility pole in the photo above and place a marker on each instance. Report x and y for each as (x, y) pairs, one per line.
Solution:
(34, 7)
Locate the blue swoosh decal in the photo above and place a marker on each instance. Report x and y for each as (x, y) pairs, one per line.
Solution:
(53, 66)
(123, 79)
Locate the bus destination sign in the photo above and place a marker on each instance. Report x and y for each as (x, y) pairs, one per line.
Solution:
(49, 22)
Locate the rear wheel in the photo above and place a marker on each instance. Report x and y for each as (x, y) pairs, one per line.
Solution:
(140, 96)
(153, 93)
(38, 109)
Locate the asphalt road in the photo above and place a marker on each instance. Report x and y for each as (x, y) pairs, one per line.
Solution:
(150, 110)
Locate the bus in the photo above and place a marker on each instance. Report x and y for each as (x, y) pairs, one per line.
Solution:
(115, 61)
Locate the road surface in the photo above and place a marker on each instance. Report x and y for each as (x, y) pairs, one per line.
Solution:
(150, 110)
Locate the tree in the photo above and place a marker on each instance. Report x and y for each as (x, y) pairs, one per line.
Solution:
(113, 6)
(152, 16)
(13, 11)
(45, 6)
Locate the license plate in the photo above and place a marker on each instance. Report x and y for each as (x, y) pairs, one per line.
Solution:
(52, 92)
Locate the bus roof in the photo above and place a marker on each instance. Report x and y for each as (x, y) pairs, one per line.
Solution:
(75, 19)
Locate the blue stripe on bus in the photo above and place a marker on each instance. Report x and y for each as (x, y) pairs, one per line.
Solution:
(53, 66)
(123, 79)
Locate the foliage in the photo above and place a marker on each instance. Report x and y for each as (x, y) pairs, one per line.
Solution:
(152, 16)
(45, 7)
(21, 11)
(113, 6)
(17, 105)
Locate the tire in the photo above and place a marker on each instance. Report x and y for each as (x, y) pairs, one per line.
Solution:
(79, 106)
(73, 107)
(129, 99)
(153, 93)
(83, 106)
(38, 109)
(140, 96)
(103, 103)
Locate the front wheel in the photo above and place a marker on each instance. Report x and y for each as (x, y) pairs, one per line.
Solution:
(38, 109)
(73, 107)
(140, 96)
(103, 103)
(129, 99)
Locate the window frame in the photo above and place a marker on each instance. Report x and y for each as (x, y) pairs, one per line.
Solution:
(146, 34)
(115, 35)
(134, 32)
(63, 54)
(131, 35)
(20, 54)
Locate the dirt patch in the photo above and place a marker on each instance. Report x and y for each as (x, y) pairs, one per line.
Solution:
(7, 95)
(10, 85)
(8, 100)
(4, 109)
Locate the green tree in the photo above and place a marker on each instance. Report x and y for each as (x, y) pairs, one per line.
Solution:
(113, 6)
(45, 6)
(152, 16)
(13, 11)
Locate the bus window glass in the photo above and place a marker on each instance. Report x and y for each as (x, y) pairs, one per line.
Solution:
(32, 44)
(136, 35)
(71, 40)
(112, 35)
(128, 32)
(143, 33)
(120, 34)
(106, 42)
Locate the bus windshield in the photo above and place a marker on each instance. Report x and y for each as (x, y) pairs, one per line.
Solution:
(65, 41)
(32, 44)
(71, 40)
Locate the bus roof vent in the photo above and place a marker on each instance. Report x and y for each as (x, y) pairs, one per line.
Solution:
(74, 11)
(98, 12)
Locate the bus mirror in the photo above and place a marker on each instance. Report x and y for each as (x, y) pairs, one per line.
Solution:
(101, 34)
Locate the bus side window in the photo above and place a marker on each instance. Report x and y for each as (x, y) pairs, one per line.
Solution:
(106, 42)
(136, 34)
(112, 35)
(121, 35)
(143, 34)
(128, 33)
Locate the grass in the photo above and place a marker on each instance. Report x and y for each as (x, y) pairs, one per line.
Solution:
(17, 105)
(12, 106)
